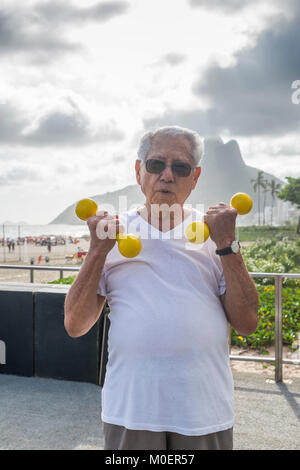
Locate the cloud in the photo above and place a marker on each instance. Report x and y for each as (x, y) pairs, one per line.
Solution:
(63, 169)
(54, 12)
(11, 123)
(58, 128)
(192, 119)
(227, 6)
(18, 175)
(17, 35)
(41, 27)
(172, 58)
(292, 150)
(253, 96)
(65, 124)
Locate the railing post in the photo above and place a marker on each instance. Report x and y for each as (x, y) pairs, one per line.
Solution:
(31, 275)
(278, 328)
(4, 254)
(61, 274)
(229, 338)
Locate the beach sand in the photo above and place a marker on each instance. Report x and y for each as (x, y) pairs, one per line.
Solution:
(22, 256)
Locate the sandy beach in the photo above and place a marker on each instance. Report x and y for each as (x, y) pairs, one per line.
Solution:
(60, 255)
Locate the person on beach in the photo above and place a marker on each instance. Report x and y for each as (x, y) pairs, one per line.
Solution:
(168, 383)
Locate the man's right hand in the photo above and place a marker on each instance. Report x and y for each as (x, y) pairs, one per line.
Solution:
(103, 229)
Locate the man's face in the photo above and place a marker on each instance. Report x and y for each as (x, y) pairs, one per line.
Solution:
(167, 187)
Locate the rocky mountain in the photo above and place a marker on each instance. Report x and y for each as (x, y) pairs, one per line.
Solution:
(223, 174)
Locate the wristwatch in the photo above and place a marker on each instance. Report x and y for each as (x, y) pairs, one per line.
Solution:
(233, 248)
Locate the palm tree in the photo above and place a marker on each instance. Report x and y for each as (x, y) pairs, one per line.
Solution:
(274, 189)
(258, 183)
(266, 190)
(291, 192)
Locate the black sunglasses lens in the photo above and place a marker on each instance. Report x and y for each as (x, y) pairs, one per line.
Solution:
(158, 166)
(155, 166)
(181, 169)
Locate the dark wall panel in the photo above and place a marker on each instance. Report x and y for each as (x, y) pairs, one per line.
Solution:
(57, 355)
(16, 331)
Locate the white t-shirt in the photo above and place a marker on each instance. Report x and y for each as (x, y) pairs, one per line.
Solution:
(168, 366)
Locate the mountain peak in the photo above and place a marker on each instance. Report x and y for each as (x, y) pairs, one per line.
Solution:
(212, 142)
(219, 155)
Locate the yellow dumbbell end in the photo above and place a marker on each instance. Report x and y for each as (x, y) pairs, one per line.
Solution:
(129, 245)
(242, 202)
(86, 208)
(197, 232)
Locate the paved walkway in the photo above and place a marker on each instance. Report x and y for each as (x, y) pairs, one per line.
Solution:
(38, 413)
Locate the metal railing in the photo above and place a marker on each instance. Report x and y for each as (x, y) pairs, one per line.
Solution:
(278, 359)
(61, 269)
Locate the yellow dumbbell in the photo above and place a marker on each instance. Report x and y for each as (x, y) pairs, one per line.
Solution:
(198, 232)
(129, 245)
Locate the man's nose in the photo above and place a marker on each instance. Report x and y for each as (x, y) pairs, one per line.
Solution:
(167, 174)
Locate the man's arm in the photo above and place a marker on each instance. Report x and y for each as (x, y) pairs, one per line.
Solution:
(240, 300)
(83, 305)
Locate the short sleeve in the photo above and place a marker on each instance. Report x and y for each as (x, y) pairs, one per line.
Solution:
(102, 284)
(222, 284)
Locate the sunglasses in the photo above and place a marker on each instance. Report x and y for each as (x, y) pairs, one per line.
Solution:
(179, 168)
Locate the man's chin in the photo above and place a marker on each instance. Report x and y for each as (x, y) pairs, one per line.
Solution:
(166, 194)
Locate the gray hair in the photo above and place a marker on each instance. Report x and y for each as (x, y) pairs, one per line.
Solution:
(193, 136)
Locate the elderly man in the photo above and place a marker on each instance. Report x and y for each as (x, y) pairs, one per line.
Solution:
(168, 381)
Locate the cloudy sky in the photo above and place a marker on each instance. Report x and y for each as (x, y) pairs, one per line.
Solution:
(81, 81)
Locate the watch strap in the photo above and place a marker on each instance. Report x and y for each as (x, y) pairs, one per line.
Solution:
(224, 251)
(228, 250)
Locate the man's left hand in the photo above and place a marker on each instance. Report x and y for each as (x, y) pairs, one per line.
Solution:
(221, 223)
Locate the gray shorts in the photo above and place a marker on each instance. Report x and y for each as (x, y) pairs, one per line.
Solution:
(120, 438)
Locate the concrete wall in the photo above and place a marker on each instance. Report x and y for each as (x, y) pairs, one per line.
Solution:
(33, 340)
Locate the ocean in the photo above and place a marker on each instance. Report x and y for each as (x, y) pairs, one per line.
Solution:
(15, 231)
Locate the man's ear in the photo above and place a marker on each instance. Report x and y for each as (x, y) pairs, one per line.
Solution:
(196, 175)
(138, 171)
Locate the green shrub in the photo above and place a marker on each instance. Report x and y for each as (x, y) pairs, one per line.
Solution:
(65, 280)
(253, 232)
(274, 257)
(264, 335)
